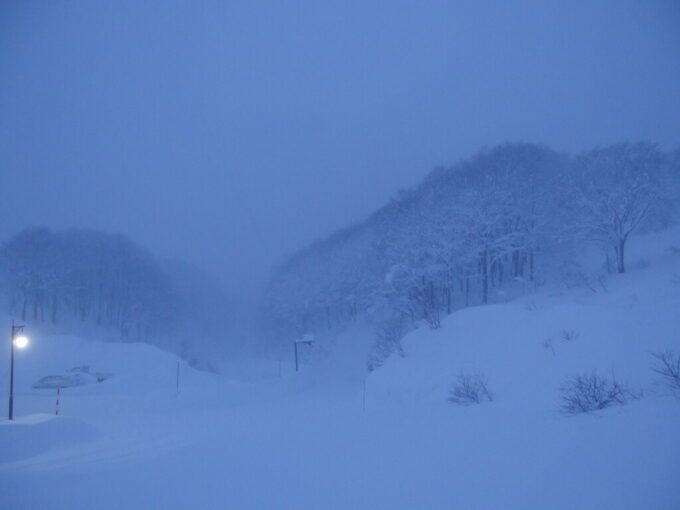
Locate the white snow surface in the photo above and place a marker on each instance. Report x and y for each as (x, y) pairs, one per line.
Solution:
(305, 442)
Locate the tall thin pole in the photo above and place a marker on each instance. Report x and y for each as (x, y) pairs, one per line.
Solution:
(295, 343)
(11, 375)
(177, 379)
(15, 330)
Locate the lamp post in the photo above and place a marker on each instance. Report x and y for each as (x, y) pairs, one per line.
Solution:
(20, 342)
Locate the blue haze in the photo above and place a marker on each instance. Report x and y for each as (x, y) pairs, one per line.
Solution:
(231, 133)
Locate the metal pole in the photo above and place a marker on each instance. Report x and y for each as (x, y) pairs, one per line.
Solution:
(11, 375)
(15, 330)
(296, 356)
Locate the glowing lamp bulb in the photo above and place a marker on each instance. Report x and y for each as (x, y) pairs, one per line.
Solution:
(21, 342)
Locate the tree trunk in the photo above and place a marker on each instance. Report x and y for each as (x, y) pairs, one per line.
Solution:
(54, 309)
(485, 277)
(620, 261)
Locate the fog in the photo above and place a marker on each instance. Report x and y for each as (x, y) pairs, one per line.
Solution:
(230, 134)
(339, 254)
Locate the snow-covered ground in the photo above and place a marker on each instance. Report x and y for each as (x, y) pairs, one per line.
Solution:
(134, 441)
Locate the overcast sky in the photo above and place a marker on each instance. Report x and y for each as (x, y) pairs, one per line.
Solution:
(229, 134)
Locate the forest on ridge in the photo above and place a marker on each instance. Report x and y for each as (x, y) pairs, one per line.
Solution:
(487, 228)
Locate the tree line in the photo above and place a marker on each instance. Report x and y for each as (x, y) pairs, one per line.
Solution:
(491, 226)
(107, 281)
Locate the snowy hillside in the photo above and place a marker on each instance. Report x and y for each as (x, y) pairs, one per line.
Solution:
(526, 347)
(134, 441)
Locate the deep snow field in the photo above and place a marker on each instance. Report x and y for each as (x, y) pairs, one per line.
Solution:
(305, 441)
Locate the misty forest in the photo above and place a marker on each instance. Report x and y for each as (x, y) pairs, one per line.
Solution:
(87, 278)
(340, 256)
(482, 231)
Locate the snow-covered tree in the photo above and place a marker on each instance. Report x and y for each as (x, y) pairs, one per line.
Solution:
(614, 190)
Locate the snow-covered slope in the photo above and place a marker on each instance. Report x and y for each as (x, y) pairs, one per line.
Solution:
(134, 441)
(527, 347)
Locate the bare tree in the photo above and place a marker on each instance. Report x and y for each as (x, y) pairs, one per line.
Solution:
(470, 389)
(668, 367)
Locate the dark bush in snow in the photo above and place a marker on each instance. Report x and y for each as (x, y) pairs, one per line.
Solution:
(470, 389)
(548, 345)
(589, 392)
(569, 334)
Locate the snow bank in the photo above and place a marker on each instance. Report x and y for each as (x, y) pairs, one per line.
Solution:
(31, 435)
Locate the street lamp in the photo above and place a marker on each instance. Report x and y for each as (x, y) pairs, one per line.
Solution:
(18, 341)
